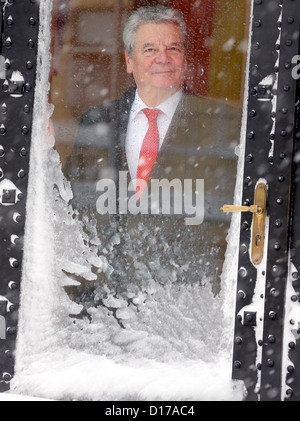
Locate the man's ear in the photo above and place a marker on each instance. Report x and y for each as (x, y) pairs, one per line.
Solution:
(128, 61)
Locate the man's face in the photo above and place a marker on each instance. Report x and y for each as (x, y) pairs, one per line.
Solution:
(158, 60)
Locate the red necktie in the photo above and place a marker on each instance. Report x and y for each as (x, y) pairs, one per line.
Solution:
(149, 148)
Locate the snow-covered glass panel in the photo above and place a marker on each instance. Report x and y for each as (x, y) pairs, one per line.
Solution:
(127, 296)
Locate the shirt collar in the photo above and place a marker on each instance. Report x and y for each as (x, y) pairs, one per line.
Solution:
(168, 107)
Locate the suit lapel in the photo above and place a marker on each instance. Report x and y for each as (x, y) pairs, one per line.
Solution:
(122, 112)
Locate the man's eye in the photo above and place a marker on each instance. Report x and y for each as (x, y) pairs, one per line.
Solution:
(177, 49)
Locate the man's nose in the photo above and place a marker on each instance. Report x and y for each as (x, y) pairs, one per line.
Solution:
(162, 56)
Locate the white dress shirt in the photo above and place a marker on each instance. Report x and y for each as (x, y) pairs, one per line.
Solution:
(138, 126)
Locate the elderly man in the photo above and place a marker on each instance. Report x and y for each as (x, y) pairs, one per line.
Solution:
(156, 130)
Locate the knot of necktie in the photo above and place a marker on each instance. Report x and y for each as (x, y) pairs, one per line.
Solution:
(151, 114)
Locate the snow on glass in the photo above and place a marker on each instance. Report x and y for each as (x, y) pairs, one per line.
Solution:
(160, 342)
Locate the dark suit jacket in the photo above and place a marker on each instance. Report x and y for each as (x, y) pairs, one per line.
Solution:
(199, 145)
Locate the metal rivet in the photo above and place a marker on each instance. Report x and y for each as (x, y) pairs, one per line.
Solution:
(6, 377)
(281, 178)
(279, 201)
(282, 155)
(28, 87)
(290, 369)
(18, 218)
(8, 353)
(258, 366)
(252, 113)
(295, 275)
(2, 130)
(272, 315)
(11, 330)
(289, 392)
(277, 246)
(249, 317)
(260, 342)
(254, 70)
(16, 264)
(21, 174)
(243, 272)
(238, 340)
(241, 295)
(249, 158)
(7, 43)
(20, 196)
(245, 225)
(294, 298)
(286, 88)
(270, 362)
(271, 339)
(292, 345)
(29, 65)
(250, 135)
(23, 152)
(31, 43)
(257, 23)
(288, 42)
(290, 19)
(25, 130)
(237, 364)
(244, 248)
(9, 21)
(26, 109)
(32, 21)
(283, 133)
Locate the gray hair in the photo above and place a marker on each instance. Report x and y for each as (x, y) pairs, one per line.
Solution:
(151, 14)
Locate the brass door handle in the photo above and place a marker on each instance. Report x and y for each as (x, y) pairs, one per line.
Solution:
(233, 208)
(259, 219)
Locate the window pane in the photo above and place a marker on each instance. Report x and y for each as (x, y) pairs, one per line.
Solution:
(142, 278)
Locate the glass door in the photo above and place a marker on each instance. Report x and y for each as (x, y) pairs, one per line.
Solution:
(127, 298)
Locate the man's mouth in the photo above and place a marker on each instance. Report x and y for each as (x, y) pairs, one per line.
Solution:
(163, 72)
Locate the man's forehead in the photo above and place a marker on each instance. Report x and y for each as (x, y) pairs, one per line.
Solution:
(159, 32)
